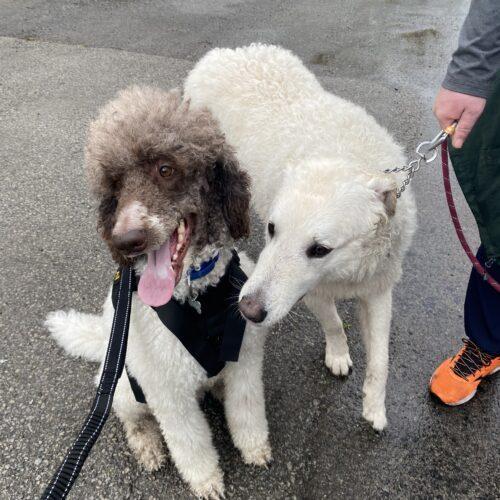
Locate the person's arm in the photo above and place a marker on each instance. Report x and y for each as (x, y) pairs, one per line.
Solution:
(471, 71)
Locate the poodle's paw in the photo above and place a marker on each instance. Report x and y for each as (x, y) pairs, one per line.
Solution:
(152, 458)
(375, 415)
(210, 489)
(146, 442)
(338, 365)
(259, 455)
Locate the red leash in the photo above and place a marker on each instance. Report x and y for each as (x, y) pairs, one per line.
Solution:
(456, 222)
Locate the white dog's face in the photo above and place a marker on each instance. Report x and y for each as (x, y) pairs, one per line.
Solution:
(320, 227)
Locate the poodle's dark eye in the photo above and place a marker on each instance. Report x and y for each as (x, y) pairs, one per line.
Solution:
(316, 251)
(270, 229)
(165, 170)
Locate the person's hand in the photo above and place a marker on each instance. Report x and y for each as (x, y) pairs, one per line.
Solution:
(465, 109)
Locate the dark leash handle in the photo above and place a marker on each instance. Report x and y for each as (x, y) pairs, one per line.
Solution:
(68, 471)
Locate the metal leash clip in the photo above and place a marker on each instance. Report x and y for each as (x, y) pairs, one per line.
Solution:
(426, 153)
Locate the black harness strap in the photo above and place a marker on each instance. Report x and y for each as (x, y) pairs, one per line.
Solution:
(136, 388)
(66, 475)
(213, 336)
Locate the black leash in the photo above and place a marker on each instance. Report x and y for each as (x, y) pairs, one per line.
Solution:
(66, 475)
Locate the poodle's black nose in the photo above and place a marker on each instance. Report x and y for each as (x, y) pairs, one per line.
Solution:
(131, 242)
(252, 308)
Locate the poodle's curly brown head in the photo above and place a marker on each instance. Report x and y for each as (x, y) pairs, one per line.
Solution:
(156, 165)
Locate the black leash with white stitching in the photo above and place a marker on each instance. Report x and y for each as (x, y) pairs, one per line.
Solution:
(66, 474)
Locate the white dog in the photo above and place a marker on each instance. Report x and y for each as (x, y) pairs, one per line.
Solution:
(172, 199)
(335, 228)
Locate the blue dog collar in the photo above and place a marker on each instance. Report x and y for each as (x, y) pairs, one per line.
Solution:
(195, 273)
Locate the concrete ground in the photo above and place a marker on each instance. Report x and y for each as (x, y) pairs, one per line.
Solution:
(59, 61)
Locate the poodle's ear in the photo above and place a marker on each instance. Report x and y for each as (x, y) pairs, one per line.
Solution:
(232, 186)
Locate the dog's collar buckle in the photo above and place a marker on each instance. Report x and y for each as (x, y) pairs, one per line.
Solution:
(195, 304)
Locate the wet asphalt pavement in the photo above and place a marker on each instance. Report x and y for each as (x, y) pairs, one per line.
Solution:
(59, 61)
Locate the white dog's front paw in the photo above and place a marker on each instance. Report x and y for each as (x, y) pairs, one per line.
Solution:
(338, 365)
(210, 489)
(375, 414)
(260, 455)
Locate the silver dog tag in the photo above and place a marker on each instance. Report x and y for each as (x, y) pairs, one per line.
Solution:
(195, 304)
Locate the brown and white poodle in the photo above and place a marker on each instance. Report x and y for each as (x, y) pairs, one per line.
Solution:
(171, 199)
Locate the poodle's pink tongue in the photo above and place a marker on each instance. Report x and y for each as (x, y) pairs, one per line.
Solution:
(157, 282)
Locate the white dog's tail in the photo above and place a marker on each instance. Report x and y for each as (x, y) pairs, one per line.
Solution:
(79, 334)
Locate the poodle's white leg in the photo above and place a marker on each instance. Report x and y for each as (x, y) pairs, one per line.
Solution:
(142, 431)
(189, 440)
(375, 319)
(244, 399)
(337, 357)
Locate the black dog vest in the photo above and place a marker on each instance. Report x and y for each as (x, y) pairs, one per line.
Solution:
(212, 337)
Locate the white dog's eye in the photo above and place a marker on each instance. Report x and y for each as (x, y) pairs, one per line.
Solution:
(316, 251)
(270, 229)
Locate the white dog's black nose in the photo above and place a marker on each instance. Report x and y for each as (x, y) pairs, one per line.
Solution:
(252, 308)
(131, 242)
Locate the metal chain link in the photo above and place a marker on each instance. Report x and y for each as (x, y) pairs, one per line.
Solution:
(426, 153)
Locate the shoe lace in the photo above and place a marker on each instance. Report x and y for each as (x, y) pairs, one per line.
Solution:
(470, 359)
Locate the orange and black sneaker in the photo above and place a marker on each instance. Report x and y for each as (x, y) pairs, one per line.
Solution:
(456, 380)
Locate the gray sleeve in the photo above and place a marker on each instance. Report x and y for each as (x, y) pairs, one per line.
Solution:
(477, 58)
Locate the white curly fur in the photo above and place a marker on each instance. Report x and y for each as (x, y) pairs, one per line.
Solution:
(172, 381)
(316, 162)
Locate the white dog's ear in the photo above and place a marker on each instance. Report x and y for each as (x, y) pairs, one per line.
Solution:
(386, 190)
